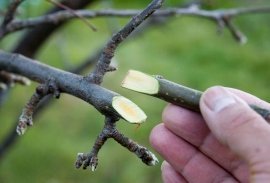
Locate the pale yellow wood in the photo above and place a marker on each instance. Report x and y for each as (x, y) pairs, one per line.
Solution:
(140, 82)
(128, 110)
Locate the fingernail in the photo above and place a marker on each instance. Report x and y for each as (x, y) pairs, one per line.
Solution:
(218, 99)
(163, 165)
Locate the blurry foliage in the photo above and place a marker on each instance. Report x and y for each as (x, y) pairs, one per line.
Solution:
(185, 50)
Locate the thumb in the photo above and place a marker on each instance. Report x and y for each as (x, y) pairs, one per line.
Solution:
(236, 125)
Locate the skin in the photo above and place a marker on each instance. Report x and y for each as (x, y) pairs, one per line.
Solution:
(227, 143)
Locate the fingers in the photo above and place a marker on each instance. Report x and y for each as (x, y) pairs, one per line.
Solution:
(191, 127)
(245, 132)
(185, 123)
(169, 175)
(250, 99)
(185, 159)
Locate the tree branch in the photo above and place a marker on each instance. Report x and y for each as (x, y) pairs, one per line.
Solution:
(171, 92)
(108, 52)
(105, 101)
(26, 118)
(220, 16)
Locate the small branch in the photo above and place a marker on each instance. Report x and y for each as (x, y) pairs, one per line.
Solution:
(110, 131)
(11, 12)
(26, 118)
(108, 52)
(214, 15)
(28, 111)
(235, 32)
(172, 92)
(91, 159)
(141, 152)
(9, 79)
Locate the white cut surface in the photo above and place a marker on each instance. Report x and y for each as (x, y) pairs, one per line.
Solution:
(140, 82)
(128, 110)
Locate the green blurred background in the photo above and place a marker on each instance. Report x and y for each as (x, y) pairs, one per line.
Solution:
(184, 50)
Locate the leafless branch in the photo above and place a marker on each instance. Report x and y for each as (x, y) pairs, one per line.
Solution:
(221, 16)
(108, 52)
(110, 131)
(67, 82)
(26, 118)
(9, 79)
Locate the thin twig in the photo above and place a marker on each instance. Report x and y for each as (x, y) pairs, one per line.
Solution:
(10, 79)
(26, 118)
(74, 13)
(108, 52)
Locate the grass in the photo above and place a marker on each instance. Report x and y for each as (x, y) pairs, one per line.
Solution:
(185, 50)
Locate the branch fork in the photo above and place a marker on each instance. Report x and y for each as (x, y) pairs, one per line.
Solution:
(103, 64)
(109, 131)
(26, 118)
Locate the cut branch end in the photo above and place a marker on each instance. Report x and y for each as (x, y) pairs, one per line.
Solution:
(128, 110)
(140, 82)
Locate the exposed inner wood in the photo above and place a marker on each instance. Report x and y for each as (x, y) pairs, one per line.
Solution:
(128, 110)
(140, 82)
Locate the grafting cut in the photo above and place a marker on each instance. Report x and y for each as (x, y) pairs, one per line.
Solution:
(172, 92)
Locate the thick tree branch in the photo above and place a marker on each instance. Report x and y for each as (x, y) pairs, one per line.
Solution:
(108, 52)
(105, 101)
(222, 17)
(171, 92)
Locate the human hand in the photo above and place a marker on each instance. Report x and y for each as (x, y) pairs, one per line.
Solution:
(229, 142)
